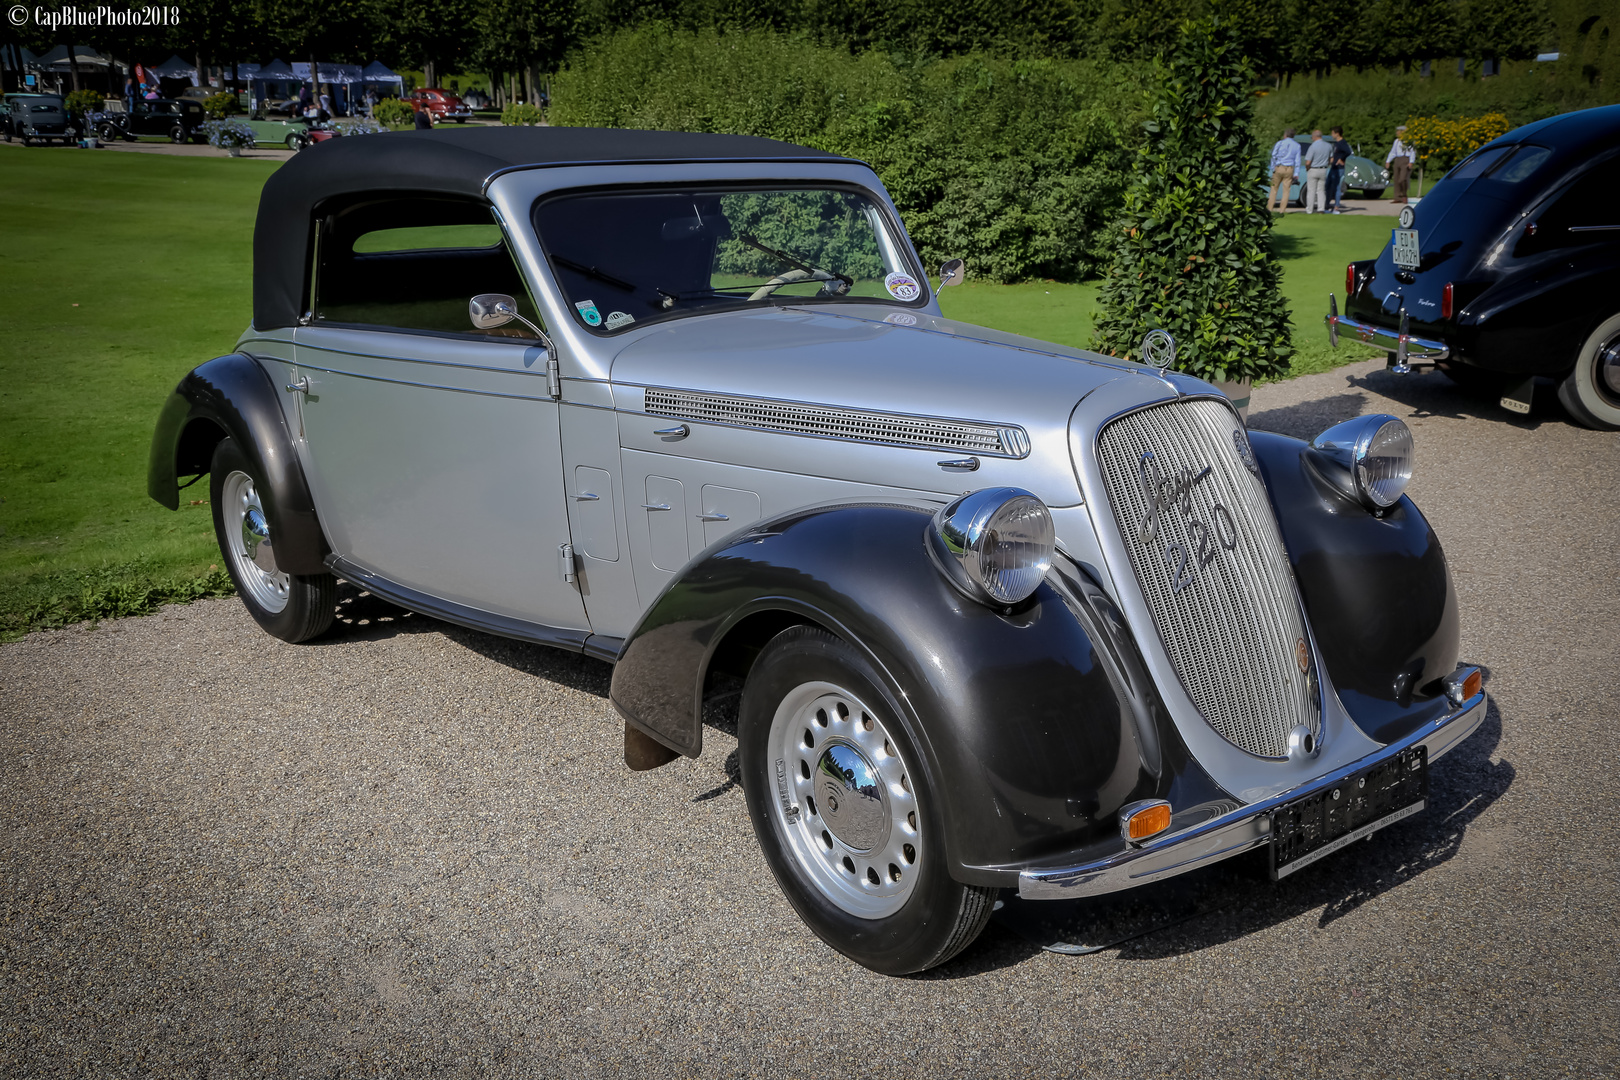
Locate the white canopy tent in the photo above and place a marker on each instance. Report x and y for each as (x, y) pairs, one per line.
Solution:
(175, 68)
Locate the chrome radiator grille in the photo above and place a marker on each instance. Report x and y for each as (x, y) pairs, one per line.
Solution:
(1204, 545)
(833, 422)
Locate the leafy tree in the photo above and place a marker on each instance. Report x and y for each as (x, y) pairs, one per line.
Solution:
(1194, 254)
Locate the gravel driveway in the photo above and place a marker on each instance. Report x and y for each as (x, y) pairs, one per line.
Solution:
(410, 849)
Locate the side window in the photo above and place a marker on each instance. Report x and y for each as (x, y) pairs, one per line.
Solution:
(1585, 212)
(412, 263)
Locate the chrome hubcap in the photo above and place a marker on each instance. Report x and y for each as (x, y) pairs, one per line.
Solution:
(845, 801)
(1608, 365)
(249, 545)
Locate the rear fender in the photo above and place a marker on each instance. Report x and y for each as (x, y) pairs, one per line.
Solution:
(1035, 724)
(233, 396)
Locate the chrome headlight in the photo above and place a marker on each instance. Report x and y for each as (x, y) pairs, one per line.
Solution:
(995, 544)
(1368, 458)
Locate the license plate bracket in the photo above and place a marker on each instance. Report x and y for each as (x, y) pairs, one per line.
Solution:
(1407, 256)
(1315, 826)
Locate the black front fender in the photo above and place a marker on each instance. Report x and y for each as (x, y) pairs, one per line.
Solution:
(1036, 725)
(233, 396)
(1376, 589)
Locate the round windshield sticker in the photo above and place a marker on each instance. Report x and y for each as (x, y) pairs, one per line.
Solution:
(588, 312)
(902, 287)
(618, 319)
(901, 318)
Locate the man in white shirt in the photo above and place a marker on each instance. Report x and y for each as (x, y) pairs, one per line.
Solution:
(1318, 156)
(1399, 160)
(1285, 159)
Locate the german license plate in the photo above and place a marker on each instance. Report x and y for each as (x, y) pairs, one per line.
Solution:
(1406, 249)
(1316, 826)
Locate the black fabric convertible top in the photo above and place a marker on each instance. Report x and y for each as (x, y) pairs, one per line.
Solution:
(453, 162)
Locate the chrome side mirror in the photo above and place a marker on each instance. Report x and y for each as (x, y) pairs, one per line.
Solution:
(489, 310)
(951, 272)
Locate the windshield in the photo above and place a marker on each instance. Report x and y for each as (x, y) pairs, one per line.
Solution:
(629, 257)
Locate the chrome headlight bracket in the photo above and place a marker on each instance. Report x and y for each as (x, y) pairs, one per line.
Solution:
(1368, 458)
(995, 545)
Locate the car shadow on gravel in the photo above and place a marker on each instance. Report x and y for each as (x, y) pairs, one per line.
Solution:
(1310, 418)
(364, 617)
(1236, 898)
(1433, 393)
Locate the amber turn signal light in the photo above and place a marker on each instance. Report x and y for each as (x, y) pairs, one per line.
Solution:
(1140, 820)
(1463, 684)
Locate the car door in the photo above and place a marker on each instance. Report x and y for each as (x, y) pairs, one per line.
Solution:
(432, 450)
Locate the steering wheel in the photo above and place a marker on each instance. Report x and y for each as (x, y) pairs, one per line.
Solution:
(795, 276)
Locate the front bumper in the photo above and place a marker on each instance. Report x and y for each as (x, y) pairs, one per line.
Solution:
(1234, 833)
(1404, 345)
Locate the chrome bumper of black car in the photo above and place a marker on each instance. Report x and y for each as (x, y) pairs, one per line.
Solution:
(1406, 347)
(1234, 833)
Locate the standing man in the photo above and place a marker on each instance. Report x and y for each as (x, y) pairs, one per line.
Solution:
(1335, 179)
(1317, 157)
(1285, 159)
(1399, 160)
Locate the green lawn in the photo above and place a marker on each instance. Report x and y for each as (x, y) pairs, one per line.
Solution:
(121, 272)
(1314, 250)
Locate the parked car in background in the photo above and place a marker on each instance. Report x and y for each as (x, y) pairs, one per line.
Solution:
(1508, 269)
(290, 132)
(441, 104)
(1004, 614)
(37, 118)
(155, 118)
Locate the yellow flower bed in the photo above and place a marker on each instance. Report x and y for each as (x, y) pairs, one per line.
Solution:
(1449, 141)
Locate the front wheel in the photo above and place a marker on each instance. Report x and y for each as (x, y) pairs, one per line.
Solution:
(292, 607)
(177, 134)
(843, 812)
(1591, 392)
(108, 133)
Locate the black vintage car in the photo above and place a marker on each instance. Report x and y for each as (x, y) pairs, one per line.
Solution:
(37, 118)
(177, 121)
(1508, 270)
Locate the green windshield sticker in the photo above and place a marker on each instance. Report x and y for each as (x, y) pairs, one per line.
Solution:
(588, 312)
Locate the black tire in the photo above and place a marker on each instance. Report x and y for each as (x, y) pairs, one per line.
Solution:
(929, 917)
(295, 142)
(1591, 392)
(7, 133)
(177, 134)
(292, 607)
(108, 133)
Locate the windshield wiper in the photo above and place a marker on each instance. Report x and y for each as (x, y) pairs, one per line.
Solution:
(591, 271)
(849, 282)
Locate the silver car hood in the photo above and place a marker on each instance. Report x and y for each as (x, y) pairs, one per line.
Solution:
(871, 357)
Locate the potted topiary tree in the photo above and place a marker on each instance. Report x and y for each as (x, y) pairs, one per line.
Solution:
(1194, 255)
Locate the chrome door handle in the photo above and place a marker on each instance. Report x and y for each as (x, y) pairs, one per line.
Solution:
(655, 506)
(714, 517)
(299, 387)
(679, 431)
(969, 464)
(586, 496)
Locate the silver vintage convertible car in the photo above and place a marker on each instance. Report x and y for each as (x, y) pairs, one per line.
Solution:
(1006, 614)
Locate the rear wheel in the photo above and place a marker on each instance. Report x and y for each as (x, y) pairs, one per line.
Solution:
(1591, 392)
(177, 134)
(844, 814)
(292, 607)
(295, 142)
(108, 133)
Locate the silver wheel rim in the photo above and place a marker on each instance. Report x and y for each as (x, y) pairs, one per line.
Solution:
(1606, 370)
(856, 834)
(248, 544)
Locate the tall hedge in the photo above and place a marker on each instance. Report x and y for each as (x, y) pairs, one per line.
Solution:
(1193, 251)
(1017, 166)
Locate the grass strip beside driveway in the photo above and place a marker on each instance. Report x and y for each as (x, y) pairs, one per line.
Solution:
(121, 273)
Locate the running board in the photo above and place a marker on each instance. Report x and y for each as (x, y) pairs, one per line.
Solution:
(580, 641)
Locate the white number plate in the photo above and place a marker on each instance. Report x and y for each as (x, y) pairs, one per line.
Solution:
(1406, 249)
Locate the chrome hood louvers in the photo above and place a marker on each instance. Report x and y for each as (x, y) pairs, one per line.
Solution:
(836, 422)
(1194, 516)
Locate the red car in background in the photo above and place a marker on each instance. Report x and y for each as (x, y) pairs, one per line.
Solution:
(441, 104)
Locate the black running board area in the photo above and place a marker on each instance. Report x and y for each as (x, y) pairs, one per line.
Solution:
(581, 641)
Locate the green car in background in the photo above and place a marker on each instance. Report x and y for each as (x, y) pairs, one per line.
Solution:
(291, 132)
